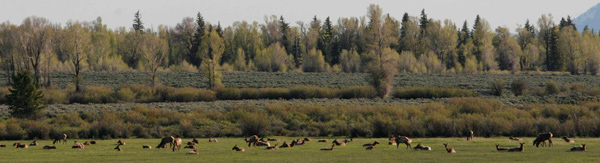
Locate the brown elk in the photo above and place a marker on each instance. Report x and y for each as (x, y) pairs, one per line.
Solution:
(582, 148)
(404, 140)
(164, 141)
(449, 150)
(542, 138)
(49, 147)
(370, 145)
(272, 147)
(77, 145)
(194, 152)
(285, 145)
(93, 142)
(329, 149)
(19, 145)
(266, 143)
(338, 143)
(146, 147)
(307, 139)
(60, 138)
(298, 142)
(2, 145)
(87, 143)
(236, 148)
(498, 148)
(177, 144)
(34, 143)
(470, 136)
(520, 149)
(191, 143)
(514, 138)
(212, 140)
(190, 146)
(322, 141)
(421, 147)
(121, 142)
(568, 140)
(253, 140)
(118, 148)
(198, 142)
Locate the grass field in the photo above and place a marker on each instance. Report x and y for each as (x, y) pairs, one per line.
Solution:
(479, 150)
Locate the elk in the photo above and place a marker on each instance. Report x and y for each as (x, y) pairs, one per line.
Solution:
(338, 143)
(118, 148)
(49, 147)
(322, 141)
(582, 148)
(498, 148)
(194, 152)
(87, 143)
(121, 142)
(425, 148)
(19, 145)
(403, 139)
(266, 143)
(568, 140)
(392, 143)
(272, 147)
(198, 142)
(164, 141)
(542, 138)
(236, 148)
(470, 136)
(285, 145)
(2, 145)
(449, 150)
(191, 143)
(34, 143)
(177, 144)
(93, 142)
(299, 142)
(146, 147)
(77, 145)
(253, 140)
(329, 149)
(307, 139)
(60, 138)
(212, 140)
(520, 149)
(190, 146)
(370, 145)
(514, 138)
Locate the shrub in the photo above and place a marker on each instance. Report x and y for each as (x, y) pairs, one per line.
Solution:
(125, 95)
(229, 94)
(189, 94)
(551, 88)
(357, 92)
(497, 87)
(427, 92)
(3, 92)
(250, 93)
(93, 94)
(36, 129)
(144, 93)
(519, 87)
(13, 131)
(273, 93)
(55, 96)
(254, 124)
(307, 92)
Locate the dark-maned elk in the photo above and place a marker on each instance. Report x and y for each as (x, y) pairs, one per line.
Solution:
(470, 135)
(338, 143)
(34, 143)
(118, 148)
(285, 145)
(329, 149)
(19, 145)
(307, 139)
(322, 141)
(403, 140)
(60, 138)
(164, 141)
(369, 145)
(568, 140)
(121, 142)
(582, 148)
(177, 144)
(49, 147)
(198, 142)
(146, 147)
(236, 148)
(498, 148)
(449, 150)
(520, 149)
(372, 145)
(542, 138)
(253, 140)
(421, 147)
(2, 145)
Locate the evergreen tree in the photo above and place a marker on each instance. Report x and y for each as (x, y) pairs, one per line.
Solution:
(24, 99)
(285, 27)
(137, 22)
(401, 46)
(325, 42)
(424, 21)
(197, 41)
(554, 61)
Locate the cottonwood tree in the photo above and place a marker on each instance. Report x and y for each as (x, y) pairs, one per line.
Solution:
(212, 49)
(155, 51)
(382, 66)
(33, 41)
(508, 50)
(77, 44)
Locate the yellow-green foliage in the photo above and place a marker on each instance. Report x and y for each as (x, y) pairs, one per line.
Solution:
(190, 94)
(431, 92)
(313, 61)
(55, 96)
(93, 94)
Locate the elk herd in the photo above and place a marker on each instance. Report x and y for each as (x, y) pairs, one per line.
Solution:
(174, 143)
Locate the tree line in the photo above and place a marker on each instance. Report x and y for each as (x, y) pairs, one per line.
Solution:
(414, 44)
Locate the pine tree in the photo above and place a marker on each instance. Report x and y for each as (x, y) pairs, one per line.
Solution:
(405, 19)
(424, 21)
(197, 41)
(284, 27)
(137, 22)
(24, 99)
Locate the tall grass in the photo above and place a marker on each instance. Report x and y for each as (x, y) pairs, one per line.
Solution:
(428, 92)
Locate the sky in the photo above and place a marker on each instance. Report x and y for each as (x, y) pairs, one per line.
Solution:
(116, 13)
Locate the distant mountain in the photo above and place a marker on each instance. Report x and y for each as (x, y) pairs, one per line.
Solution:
(591, 18)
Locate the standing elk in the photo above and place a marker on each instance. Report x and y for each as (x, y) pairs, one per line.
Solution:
(449, 150)
(253, 140)
(404, 140)
(118, 148)
(541, 138)
(164, 141)
(520, 149)
(470, 136)
(177, 144)
(236, 148)
(60, 138)
(568, 140)
(582, 148)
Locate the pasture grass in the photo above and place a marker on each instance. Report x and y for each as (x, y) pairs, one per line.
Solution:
(478, 150)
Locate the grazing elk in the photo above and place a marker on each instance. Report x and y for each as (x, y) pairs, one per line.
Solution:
(118, 148)
(34, 143)
(404, 140)
(19, 145)
(449, 150)
(338, 143)
(164, 141)
(121, 142)
(49, 147)
(212, 140)
(514, 138)
(272, 147)
(370, 145)
(322, 141)
(329, 149)
(421, 147)
(470, 136)
(582, 148)
(177, 144)
(541, 138)
(568, 140)
(146, 147)
(285, 145)
(520, 149)
(253, 140)
(498, 148)
(60, 138)
(236, 148)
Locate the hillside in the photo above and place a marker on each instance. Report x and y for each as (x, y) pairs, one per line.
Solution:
(591, 18)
